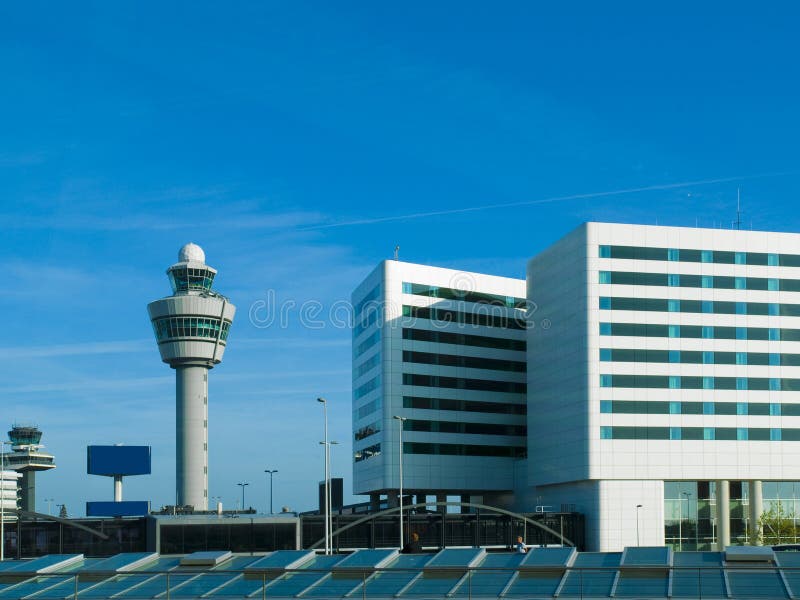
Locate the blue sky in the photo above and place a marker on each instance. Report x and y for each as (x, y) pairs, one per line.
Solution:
(298, 143)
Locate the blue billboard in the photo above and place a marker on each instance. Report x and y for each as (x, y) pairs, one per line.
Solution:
(134, 508)
(118, 460)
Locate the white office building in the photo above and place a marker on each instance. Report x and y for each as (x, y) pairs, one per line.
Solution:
(445, 351)
(9, 494)
(673, 355)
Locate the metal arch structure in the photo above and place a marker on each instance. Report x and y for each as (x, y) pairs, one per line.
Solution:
(425, 504)
(27, 513)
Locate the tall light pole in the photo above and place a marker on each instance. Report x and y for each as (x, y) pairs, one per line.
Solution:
(638, 506)
(243, 485)
(686, 495)
(400, 445)
(329, 491)
(271, 472)
(326, 475)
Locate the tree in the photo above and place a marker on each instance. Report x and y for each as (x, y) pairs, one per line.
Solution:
(777, 525)
(63, 512)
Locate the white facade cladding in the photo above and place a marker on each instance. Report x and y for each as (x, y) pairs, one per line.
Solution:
(191, 329)
(673, 354)
(9, 494)
(445, 350)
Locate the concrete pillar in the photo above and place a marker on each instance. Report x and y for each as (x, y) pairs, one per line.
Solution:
(756, 509)
(374, 502)
(723, 514)
(441, 498)
(191, 428)
(27, 488)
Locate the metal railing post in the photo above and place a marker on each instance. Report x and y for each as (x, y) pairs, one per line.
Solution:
(364, 585)
(263, 585)
(167, 586)
(76, 586)
(469, 584)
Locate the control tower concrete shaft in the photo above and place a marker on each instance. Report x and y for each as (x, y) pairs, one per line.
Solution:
(191, 328)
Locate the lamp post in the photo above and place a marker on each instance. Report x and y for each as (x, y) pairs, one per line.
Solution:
(329, 492)
(638, 542)
(685, 495)
(271, 472)
(400, 439)
(326, 474)
(49, 505)
(243, 485)
(3, 499)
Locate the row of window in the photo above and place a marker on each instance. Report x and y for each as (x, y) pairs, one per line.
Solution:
(170, 328)
(701, 256)
(755, 434)
(367, 343)
(369, 364)
(719, 282)
(463, 339)
(367, 430)
(772, 309)
(366, 388)
(444, 316)
(708, 332)
(501, 408)
(183, 279)
(697, 357)
(682, 382)
(432, 291)
(468, 362)
(463, 383)
(466, 428)
(367, 409)
(366, 453)
(366, 321)
(373, 295)
(464, 450)
(655, 407)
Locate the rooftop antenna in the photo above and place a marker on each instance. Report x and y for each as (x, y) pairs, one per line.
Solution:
(397, 252)
(738, 221)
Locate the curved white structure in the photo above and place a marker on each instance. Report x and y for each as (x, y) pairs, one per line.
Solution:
(191, 329)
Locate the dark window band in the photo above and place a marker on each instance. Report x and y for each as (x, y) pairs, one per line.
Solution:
(468, 362)
(442, 315)
(465, 428)
(704, 256)
(462, 383)
(431, 291)
(710, 332)
(697, 357)
(716, 307)
(464, 450)
(718, 282)
(501, 408)
(463, 339)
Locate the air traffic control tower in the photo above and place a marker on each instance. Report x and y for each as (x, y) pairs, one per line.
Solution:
(191, 328)
(27, 457)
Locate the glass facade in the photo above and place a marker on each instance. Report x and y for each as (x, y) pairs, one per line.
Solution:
(443, 316)
(503, 408)
(470, 362)
(463, 383)
(704, 256)
(772, 309)
(184, 279)
(720, 282)
(431, 291)
(169, 329)
(773, 384)
(462, 339)
(706, 357)
(773, 334)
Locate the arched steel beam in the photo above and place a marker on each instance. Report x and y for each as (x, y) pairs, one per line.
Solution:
(424, 504)
(27, 513)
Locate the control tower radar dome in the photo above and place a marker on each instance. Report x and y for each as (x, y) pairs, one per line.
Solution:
(191, 328)
(191, 253)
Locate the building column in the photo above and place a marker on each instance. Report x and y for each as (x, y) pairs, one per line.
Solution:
(465, 509)
(756, 509)
(374, 502)
(392, 500)
(441, 498)
(723, 514)
(421, 499)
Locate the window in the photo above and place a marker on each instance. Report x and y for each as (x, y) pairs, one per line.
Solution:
(674, 433)
(605, 303)
(674, 356)
(605, 406)
(605, 252)
(774, 359)
(708, 383)
(772, 260)
(774, 309)
(706, 256)
(674, 280)
(605, 354)
(741, 333)
(707, 281)
(673, 254)
(707, 306)
(606, 381)
(741, 383)
(741, 308)
(774, 334)
(674, 382)
(708, 332)
(741, 434)
(775, 435)
(673, 305)
(674, 408)
(674, 331)
(741, 258)
(605, 276)
(741, 409)
(708, 358)
(774, 409)
(605, 328)
(774, 384)
(708, 408)
(605, 433)
(708, 433)
(773, 285)
(740, 283)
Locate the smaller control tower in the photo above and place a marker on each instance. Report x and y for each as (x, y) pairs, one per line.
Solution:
(191, 328)
(26, 458)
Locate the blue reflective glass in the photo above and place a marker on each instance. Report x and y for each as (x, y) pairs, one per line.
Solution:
(741, 333)
(741, 308)
(605, 406)
(741, 383)
(740, 283)
(707, 306)
(707, 281)
(674, 331)
(708, 358)
(674, 280)
(708, 332)
(605, 354)
(741, 433)
(605, 303)
(674, 305)
(774, 384)
(605, 251)
(605, 433)
(673, 254)
(708, 433)
(706, 256)
(741, 408)
(774, 309)
(708, 383)
(605, 276)
(774, 359)
(674, 356)
(775, 434)
(772, 260)
(674, 408)
(605, 328)
(605, 381)
(772, 285)
(674, 433)
(708, 408)
(775, 409)
(774, 334)
(740, 258)
(675, 382)
(741, 358)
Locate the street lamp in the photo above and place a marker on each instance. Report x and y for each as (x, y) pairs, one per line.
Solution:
(638, 506)
(49, 505)
(400, 420)
(243, 485)
(271, 473)
(330, 493)
(3, 499)
(686, 495)
(326, 474)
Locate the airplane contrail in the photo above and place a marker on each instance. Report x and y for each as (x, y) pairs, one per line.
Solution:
(453, 211)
